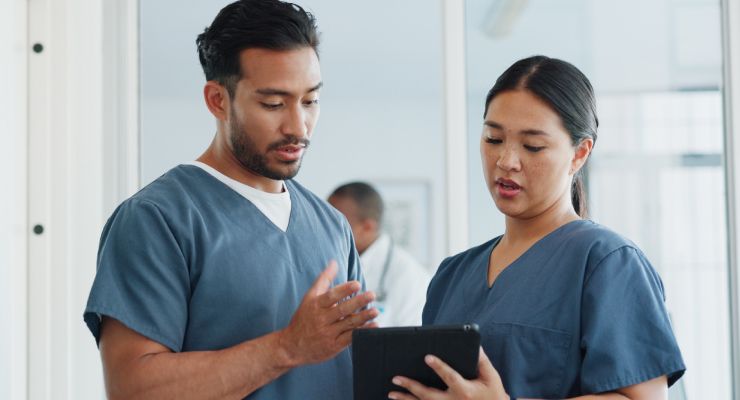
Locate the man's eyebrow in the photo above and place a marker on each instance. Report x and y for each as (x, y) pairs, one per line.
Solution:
(280, 92)
(528, 132)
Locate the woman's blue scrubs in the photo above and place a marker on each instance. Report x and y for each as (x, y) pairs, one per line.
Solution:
(581, 312)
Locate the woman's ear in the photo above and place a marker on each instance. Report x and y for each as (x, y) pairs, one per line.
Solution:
(583, 150)
(217, 100)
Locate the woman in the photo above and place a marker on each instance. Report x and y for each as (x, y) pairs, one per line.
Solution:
(566, 307)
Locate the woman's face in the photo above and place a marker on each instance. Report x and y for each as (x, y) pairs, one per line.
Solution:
(528, 156)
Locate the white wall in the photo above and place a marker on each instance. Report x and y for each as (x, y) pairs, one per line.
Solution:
(13, 226)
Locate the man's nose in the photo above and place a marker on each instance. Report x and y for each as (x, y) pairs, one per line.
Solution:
(296, 123)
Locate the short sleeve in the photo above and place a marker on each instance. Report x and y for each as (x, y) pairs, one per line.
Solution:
(626, 333)
(142, 276)
(354, 271)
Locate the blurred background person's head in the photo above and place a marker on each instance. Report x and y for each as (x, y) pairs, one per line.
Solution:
(363, 207)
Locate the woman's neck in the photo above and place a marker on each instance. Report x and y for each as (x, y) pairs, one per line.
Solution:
(523, 231)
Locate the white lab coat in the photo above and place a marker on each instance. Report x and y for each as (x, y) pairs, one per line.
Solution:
(404, 285)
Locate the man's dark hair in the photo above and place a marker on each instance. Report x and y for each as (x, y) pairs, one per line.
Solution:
(245, 24)
(368, 200)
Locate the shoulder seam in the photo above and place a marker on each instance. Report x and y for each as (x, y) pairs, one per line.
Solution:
(167, 223)
(598, 264)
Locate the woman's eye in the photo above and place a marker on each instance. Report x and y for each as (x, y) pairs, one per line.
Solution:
(312, 102)
(533, 149)
(271, 106)
(493, 140)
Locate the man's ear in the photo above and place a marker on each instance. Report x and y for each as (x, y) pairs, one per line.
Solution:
(217, 99)
(583, 150)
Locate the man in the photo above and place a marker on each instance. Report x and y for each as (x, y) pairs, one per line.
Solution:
(211, 280)
(398, 280)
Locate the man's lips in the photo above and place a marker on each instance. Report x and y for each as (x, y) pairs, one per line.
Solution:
(290, 152)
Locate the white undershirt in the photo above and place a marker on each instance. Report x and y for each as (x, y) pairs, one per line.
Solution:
(275, 206)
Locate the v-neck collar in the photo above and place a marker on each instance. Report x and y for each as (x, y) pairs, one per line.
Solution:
(522, 256)
(288, 185)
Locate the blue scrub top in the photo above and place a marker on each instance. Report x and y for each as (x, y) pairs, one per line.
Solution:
(581, 312)
(191, 264)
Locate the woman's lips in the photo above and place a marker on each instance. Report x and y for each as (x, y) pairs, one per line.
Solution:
(507, 188)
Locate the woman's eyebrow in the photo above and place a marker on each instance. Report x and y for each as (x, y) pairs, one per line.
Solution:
(528, 132)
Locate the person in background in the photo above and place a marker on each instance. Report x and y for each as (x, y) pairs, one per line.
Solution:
(225, 278)
(566, 307)
(398, 280)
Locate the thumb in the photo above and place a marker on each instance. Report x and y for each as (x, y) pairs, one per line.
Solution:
(485, 369)
(322, 284)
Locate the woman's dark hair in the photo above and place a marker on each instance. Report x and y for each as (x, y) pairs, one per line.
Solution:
(568, 92)
(244, 24)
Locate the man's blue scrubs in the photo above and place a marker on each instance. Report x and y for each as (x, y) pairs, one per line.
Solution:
(193, 265)
(581, 312)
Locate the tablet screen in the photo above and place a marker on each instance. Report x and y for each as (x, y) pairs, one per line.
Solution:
(382, 353)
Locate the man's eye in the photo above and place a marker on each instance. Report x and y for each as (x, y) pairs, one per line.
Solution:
(271, 106)
(312, 102)
(533, 149)
(493, 141)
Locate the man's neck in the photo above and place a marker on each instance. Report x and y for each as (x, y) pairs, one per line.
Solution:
(220, 158)
(366, 245)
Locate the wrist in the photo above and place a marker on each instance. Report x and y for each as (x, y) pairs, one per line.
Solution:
(284, 351)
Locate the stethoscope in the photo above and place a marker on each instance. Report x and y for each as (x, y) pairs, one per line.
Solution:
(381, 292)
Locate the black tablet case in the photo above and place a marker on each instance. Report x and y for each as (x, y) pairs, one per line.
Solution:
(380, 354)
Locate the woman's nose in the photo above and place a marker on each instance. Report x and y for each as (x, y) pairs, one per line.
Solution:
(509, 160)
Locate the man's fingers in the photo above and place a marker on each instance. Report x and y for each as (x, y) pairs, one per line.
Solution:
(322, 284)
(338, 293)
(350, 306)
(448, 375)
(370, 325)
(359, 319)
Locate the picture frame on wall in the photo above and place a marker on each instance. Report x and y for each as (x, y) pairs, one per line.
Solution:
(407, 217)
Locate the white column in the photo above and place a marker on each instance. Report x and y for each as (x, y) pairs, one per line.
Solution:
(731, 93)
(455, 125)
(13, 224)
(82, 113)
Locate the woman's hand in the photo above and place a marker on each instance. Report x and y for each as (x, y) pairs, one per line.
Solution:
(488, 385)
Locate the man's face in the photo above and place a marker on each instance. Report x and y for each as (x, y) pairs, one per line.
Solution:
(364, 230)
(274, 110)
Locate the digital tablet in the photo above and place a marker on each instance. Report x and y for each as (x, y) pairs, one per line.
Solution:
(382, 353)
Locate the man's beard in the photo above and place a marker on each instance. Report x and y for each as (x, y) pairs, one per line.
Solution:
(246, 152)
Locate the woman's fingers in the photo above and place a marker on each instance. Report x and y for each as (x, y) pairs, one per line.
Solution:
(448, 375)
(486, 370)
(418, 390)
(401, 396)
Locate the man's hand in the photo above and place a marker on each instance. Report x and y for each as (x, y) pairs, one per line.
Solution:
(322, 326)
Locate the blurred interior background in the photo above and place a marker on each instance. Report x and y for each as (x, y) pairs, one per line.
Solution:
(99, 98)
